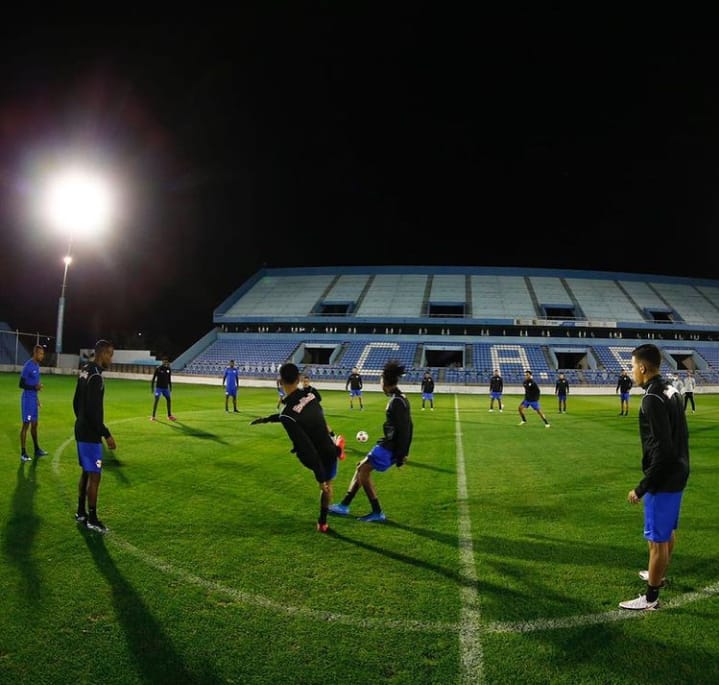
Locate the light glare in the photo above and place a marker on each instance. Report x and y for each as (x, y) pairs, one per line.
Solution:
(79, 203)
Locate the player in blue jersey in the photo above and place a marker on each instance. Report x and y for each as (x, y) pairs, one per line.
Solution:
(161, 385)
(231, 383)
(531, 399)
(90, 429)
(30, 402)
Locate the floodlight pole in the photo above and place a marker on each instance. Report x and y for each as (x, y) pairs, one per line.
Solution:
(61, 304)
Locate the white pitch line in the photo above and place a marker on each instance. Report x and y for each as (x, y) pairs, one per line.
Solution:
(251, 599)
(471, 657)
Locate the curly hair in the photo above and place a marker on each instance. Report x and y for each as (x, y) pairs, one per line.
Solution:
(392, 372)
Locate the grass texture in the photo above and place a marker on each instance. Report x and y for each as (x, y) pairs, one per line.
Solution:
(503, 559)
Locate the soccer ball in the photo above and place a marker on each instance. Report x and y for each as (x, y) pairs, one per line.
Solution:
(362, 436)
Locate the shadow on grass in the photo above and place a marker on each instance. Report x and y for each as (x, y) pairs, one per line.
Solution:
(404, 559)
(112, 464)
(157, 660)
(429, 467)
(21, 528)
(192, 432)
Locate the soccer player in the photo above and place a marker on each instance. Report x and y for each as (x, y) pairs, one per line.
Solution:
(90, 429)
(391, 448)
(354, 384)
(690, 385)
(427, 387)
(496, 388)
(561, 390)
(624, 385)
(231, 382)
(665, 466)
(304, 420)
(161, 384)
(531, 399)
(30, 402)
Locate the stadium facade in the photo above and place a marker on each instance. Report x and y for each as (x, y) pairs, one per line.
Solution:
(461, 323)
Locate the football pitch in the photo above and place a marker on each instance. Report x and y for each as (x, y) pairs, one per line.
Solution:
(503, 559)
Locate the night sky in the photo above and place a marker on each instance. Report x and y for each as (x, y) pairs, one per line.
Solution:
(350, 134)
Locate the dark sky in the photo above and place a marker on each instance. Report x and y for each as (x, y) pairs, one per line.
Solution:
(332, 135)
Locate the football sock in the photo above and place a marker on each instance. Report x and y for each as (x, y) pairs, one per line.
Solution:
(80, 505)
(347, 499)
(652, 593)
(376, 508)
(92, 513)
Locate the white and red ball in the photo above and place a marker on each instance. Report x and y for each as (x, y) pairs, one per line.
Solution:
(362, 436)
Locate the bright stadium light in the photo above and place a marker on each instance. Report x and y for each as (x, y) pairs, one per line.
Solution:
(77, 203)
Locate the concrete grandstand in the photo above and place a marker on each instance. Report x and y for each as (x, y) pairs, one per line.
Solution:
(461, 323)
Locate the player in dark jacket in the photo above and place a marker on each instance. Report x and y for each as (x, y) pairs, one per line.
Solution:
(90, 429)
(161, 384)
(354, 384)
(531, 399)
(624, 385)
(496, 389)
(665, 469)
(427, 389)
(561, 390)
(304, 420)
(392, 448)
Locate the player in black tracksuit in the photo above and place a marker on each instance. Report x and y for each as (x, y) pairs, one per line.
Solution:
(304, 420)
(90, 429)
(624, 385)
(665, 468)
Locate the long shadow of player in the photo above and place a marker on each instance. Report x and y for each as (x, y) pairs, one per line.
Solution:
(151, 648)
(21, 528)
(194, 432)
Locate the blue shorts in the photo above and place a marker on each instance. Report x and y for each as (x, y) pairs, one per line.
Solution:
(89, 456)
(624, 396)
(561, 397)
(380, 458)
(355, 393)
(28, 407)
(534, 404)
(162, 391)
(495, 395)
(427, 395)
(661, 515)
(231, 392)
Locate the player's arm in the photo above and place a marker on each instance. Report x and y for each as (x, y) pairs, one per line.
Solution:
(272, 418)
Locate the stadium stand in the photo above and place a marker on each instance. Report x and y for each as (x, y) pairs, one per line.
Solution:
(461, 323)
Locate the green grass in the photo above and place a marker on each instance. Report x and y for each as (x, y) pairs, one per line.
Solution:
(504, 556)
